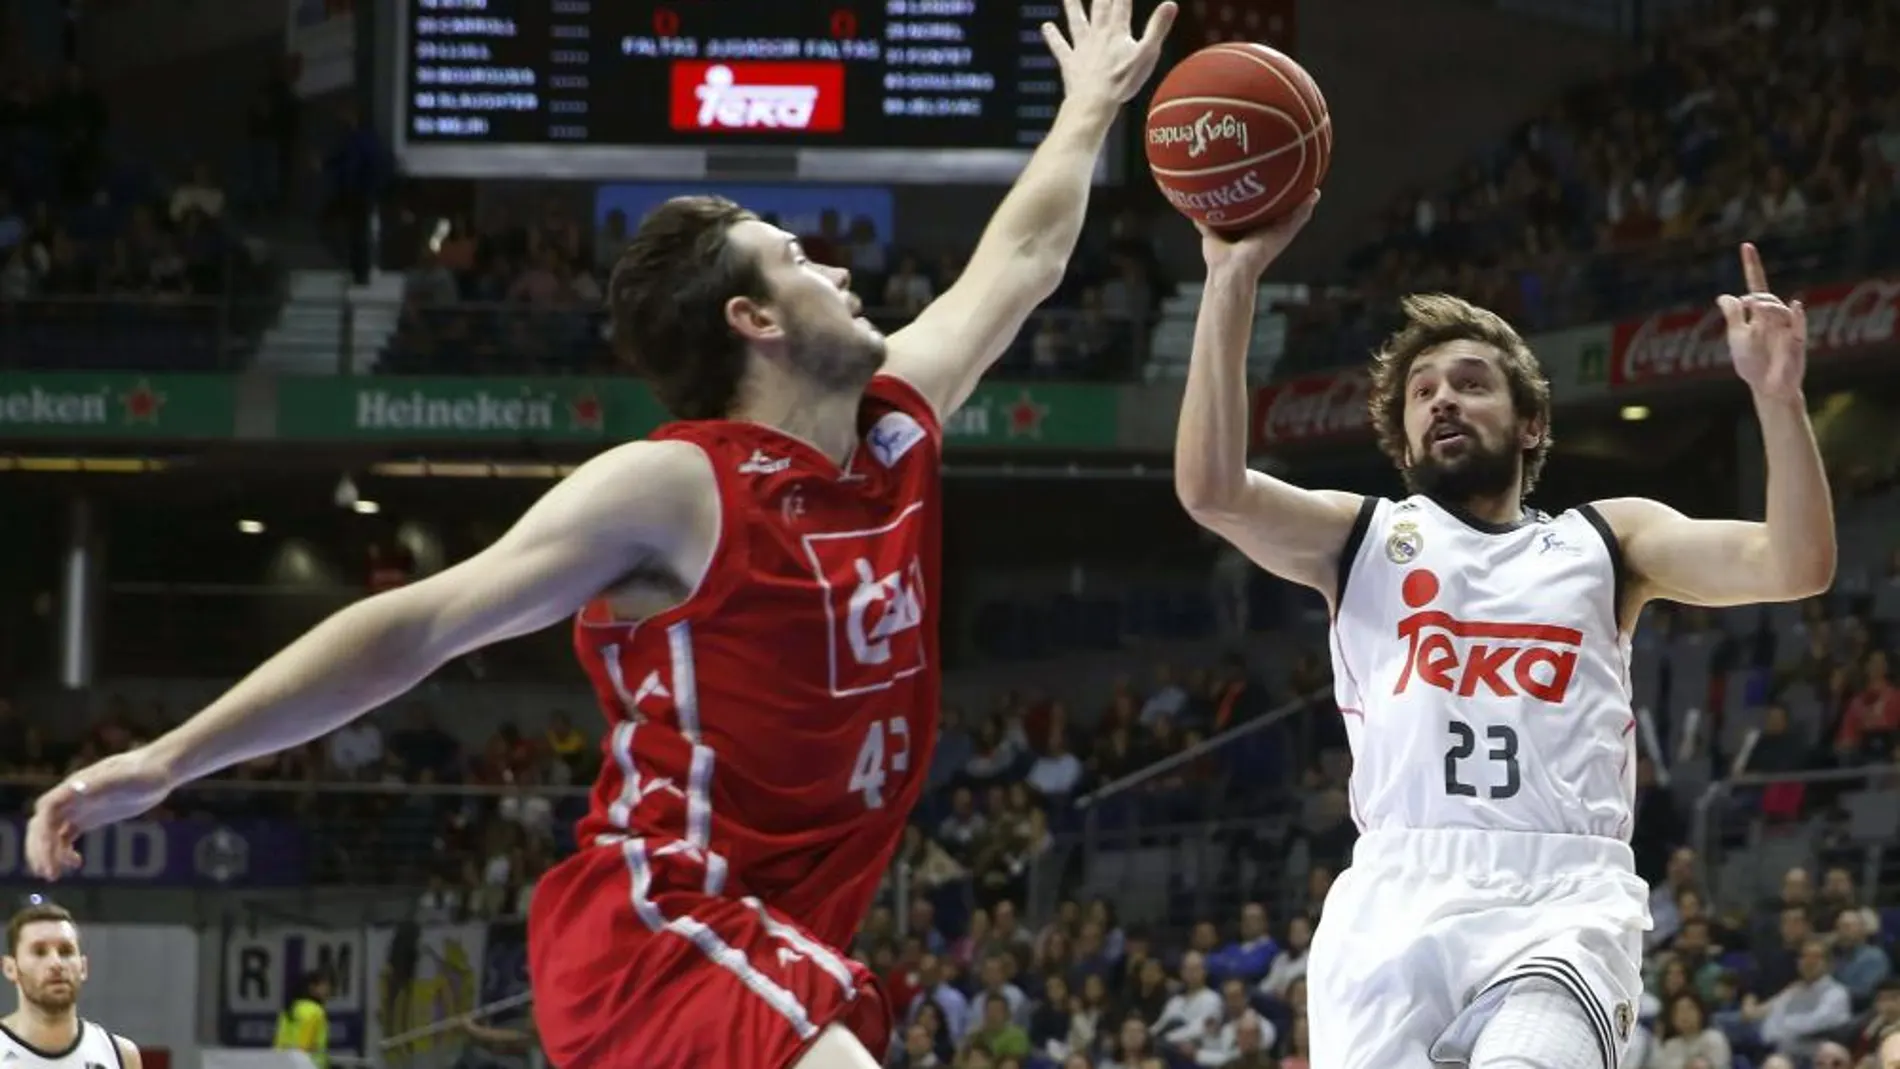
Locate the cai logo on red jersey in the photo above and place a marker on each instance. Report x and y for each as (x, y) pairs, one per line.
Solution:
(873, 585)
(736, 96)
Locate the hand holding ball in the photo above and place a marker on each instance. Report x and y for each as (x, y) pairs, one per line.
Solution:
(1238, 136)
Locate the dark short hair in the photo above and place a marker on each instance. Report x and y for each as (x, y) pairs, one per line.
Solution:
(667, 300)
(1435, 319)
(33, 914)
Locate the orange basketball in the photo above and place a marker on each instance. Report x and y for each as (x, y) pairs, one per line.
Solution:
(1238, 135)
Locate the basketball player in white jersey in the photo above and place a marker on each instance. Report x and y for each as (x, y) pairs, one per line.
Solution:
(1492, 915)
(45, 1031)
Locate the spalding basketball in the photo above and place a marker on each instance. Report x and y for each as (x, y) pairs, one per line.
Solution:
(1238, 135)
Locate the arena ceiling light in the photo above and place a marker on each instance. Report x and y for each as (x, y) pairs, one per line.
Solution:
(367, 508)
(1635, 413)
(251, 527)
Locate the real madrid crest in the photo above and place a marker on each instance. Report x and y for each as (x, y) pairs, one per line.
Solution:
(1404, 545)
(1625, 1017)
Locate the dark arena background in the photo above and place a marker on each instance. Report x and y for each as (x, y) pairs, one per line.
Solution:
(302, 300)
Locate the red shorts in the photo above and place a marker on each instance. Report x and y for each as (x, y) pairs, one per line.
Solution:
(634, 966)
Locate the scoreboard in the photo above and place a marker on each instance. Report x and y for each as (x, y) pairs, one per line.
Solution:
(857, 90)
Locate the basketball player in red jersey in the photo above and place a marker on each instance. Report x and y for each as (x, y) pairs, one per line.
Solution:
(756, 589)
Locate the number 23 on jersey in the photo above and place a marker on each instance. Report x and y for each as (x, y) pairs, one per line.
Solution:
(886, 749)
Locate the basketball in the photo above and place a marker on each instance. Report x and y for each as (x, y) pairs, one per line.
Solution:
(1238, 135)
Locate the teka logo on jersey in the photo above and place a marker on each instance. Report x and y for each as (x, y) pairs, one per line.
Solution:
(1470, 657)
(875, 602)
(741, 97)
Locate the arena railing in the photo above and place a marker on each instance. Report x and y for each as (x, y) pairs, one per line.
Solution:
(1751, 827)
(1199, 819)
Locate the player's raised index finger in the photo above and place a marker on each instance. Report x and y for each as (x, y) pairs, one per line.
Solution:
(1752, 271)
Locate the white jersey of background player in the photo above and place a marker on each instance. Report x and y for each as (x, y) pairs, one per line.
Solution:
(1491, 915)
(45, 1031)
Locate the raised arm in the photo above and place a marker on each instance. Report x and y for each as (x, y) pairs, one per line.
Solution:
(1294, 533)
(1791, 553)
(645, 504)
(1025, 250)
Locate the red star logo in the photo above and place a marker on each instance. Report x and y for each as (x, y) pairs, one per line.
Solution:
(142, 403)
(586, 412)
(1025, 417)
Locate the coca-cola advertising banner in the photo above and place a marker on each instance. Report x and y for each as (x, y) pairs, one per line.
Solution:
(1683, 345)
(1312, 408)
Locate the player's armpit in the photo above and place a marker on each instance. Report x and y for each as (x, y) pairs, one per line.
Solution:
(128, 1053)
(647, 504)
(1711, 562)
(1295, 533)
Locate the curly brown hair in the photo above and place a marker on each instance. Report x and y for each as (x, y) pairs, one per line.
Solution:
(667, 300)
(1432, 320)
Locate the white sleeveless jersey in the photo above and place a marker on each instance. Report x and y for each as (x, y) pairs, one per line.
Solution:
(1481, 673)
(93, 1049)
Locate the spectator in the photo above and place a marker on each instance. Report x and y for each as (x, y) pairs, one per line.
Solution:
(1223, 1046)
(999, 1034)
(1249, 957)
(1860, 966)
(908, 290)
(1056, 772)
(1131, 1046)
(1191, 1017)
(918, 1051)
(201, 194)
(1686, 1036)
(1051, 1022)
(1882, 1019)
(1665, 918)
(997, 988)
(355, 749)
(1794, 1021)
(1870, 724)
(1290, 963)
(934, 989)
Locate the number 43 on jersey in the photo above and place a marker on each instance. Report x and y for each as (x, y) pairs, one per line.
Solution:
(886, 749)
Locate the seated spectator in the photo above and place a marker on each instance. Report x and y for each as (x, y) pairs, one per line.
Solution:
(1882, 1019)
(1130, 1047)
(1795, 1020)
(1056, 772)
(1860, 966)
(1290, 963)
(997, 988)
(201, 195)
(1870, 724)
(998, 1034)
(1251, 956)
(935, 990)
(1223, 1046)
(1686, 1035)
(1050, 1023)
(1190, 1017)
(918, 1051)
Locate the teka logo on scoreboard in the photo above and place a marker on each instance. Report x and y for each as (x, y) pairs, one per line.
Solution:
(758, 97)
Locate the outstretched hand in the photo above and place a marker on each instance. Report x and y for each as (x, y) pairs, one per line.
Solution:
(1252, 252)
(120, 787)
(1101, 58)
(1767, 339)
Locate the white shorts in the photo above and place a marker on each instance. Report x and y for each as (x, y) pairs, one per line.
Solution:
(1421, 938)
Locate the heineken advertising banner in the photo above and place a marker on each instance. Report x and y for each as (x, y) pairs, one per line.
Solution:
(448, 409)
(108, 405)
(612, 410)
(1010, 415)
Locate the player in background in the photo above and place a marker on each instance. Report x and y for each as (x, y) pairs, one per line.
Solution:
(756, 594)
(1492, 915)
(48, 969)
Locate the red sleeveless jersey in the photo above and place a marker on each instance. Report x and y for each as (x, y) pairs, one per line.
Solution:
(770, 735)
